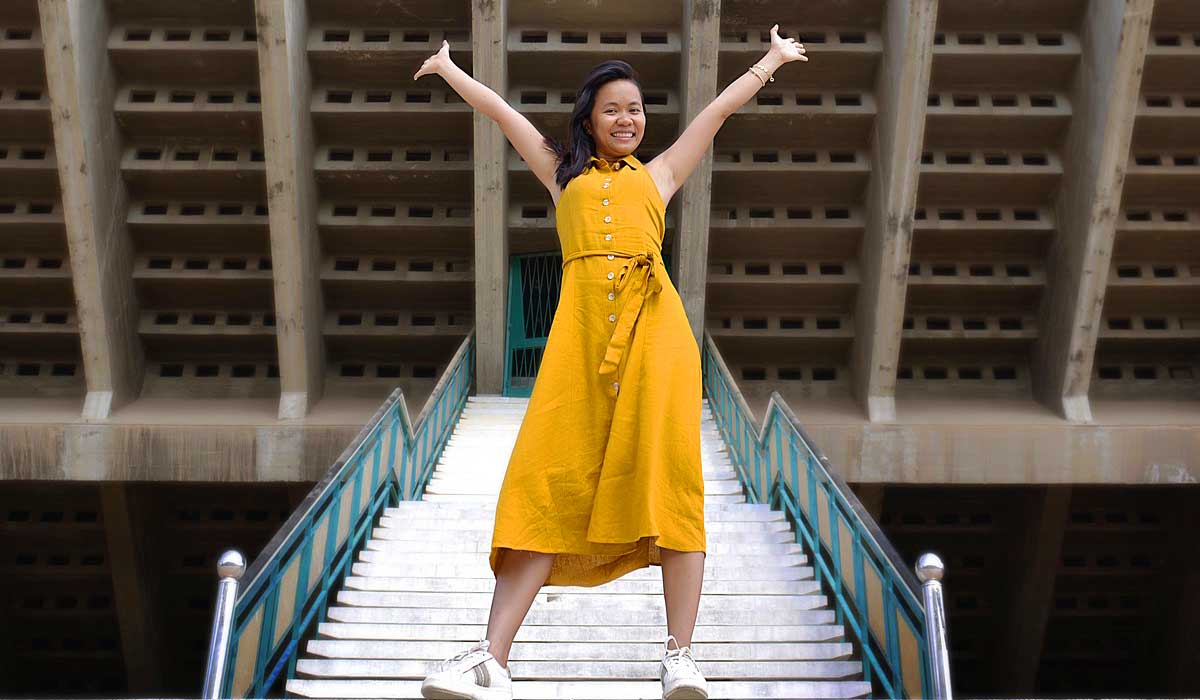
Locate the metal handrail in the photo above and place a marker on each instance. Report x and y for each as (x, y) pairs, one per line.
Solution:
(230, 568)
(876, 595)
(930, 570)
(287, 586)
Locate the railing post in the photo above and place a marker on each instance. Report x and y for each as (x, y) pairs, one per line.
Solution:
(930, 570)
(230, 568)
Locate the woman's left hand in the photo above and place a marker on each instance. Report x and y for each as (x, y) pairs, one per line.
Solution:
(787, 49)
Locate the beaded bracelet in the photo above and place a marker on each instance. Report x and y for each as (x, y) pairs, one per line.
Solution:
(760, 77)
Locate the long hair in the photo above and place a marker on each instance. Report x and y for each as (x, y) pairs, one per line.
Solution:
(580, 147)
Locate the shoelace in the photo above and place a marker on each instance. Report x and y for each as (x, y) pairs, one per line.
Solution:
(482, 645)
(679, 655)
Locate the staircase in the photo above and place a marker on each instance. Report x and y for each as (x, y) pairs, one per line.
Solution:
(421, 591)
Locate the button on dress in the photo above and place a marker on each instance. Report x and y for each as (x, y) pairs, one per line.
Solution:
(606, 466)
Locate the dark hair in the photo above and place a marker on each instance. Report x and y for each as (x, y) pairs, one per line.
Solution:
(580, 147)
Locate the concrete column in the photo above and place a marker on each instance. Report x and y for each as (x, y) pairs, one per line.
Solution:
(289, 141)
(82, 88)
(1033, 576)
(698, 87)
(489, 64)
(1104, 98)
(901, 91)
(133, 587)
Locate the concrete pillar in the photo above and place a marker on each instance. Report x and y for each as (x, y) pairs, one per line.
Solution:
(82, 88)
(698, 84)
(489, 64)
(1033, 577)
(901, 91)
(133, 587)
(1104, 99)
(289, 140)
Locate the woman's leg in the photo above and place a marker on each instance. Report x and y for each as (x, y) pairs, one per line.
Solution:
(683, 575)
(520, 576)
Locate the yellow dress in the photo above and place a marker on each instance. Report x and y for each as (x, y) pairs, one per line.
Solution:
(606, 466)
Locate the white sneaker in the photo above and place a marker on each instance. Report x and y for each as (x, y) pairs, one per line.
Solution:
(681, 678)
(472, 674)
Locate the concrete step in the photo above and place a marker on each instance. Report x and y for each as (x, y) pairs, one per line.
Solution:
(427, 530)
(467, 634)
(760, 511)
(541, 615)
(598, 670)
(613, 690)
(568, 602)
(484, 498)
(425, 559)
(479, 569)
(490, 484)
(580, 651)
(622, 586)
(455, 542)
(396, 528)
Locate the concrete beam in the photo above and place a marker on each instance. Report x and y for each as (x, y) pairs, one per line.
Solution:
(1104, 98)
(82, 88)
(133, 588)
(698, 87)
(901, 90)
(489, 65)
(1034, 574)
(289, 141)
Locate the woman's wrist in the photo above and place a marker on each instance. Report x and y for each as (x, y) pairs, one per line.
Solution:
(771, 60)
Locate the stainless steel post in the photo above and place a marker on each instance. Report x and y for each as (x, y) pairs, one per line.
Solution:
(930, 570)
(230, 568)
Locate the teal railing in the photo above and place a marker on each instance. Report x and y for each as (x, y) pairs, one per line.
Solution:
(534, 283)
(287, 587)
(876, 595)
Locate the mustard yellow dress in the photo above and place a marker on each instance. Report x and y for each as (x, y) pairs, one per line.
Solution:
(606, 466)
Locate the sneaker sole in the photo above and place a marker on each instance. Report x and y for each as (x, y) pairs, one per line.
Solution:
(448, 692)
(686, 693)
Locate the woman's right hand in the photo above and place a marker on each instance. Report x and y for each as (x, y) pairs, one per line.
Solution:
(436, 62)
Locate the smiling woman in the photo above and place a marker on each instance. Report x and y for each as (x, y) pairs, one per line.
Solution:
(605, 476)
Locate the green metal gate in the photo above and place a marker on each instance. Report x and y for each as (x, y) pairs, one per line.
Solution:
(534, 284)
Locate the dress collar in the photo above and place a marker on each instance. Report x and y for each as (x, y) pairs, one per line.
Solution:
(629, 160)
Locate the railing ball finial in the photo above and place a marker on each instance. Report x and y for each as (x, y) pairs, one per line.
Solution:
(930, 567)
(231, 565)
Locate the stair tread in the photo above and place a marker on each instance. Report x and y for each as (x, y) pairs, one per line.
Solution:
(421, 588)
(613, 690)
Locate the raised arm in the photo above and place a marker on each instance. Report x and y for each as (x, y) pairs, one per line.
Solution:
(523, 135)
(674, 165)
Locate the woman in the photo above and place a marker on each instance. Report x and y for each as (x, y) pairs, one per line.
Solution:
(605, 476)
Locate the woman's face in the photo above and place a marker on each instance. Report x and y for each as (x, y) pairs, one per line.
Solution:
(617, 122)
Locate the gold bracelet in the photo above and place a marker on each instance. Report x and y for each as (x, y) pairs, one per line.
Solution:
(756, 75)
(765, 72)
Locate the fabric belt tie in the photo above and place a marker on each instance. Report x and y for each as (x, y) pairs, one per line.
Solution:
(638, 270)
